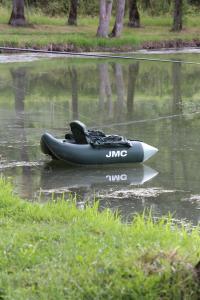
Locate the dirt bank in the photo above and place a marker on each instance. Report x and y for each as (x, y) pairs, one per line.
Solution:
(149, 45)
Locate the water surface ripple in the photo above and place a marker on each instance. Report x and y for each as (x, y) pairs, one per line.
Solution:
(154, 102)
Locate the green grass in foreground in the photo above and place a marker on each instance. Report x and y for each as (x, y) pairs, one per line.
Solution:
(55, 251)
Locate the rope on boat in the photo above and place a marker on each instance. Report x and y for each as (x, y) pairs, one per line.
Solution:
(96, 55)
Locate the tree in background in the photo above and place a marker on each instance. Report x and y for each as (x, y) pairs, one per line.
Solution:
(17, 17)
(72, 19)
(178, 13)
(104, 17)
(118, 26)
(134, 16)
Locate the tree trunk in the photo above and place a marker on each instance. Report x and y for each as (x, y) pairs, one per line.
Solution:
(17, 17)
(118, 26)
(72, 19)
(134, 16)
(197, 270)
(178, 12)
(104, 18)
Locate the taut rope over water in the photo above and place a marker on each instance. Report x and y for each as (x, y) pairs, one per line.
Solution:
(96, 55)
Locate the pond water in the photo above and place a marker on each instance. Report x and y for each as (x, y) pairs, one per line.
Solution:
(158, 103)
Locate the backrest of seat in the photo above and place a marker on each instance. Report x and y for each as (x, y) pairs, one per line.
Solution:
(79, 132)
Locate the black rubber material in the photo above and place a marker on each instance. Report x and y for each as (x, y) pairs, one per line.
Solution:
(85, 154)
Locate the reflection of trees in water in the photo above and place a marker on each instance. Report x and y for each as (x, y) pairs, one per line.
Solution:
(105, 91)
(20, 84)
(74, 90)
(153, 81)
(106, 79)
(114, 88)
(19, 77)
(133, 71)
(119, 80)
(176, 87)
(178, 161)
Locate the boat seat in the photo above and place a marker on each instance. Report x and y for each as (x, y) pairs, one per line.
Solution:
(79, 131)
(96, 138)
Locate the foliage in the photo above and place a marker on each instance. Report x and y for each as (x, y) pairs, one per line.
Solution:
(91, 7)
(194, 2)
(61, 7)
(156, 7)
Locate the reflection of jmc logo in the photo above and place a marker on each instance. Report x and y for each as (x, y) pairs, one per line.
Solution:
(120, 177)
(117, 153)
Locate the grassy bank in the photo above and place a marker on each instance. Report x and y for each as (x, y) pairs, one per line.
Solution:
(55, 251)
(53, 33)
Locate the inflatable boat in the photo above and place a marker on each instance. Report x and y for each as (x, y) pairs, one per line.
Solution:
(89, 147)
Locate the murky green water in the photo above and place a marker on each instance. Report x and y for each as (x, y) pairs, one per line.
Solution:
(158, 103)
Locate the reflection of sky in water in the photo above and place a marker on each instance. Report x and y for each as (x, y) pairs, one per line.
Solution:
(156, 103)
(13, 58)
(172, 51)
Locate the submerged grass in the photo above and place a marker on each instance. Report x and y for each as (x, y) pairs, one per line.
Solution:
(55, 251)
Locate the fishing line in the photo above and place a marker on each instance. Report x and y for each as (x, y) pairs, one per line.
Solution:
(95, 55)
(138, 121)
(150, 120)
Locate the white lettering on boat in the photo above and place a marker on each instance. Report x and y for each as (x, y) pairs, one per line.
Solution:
(113, 178)
(117, 153)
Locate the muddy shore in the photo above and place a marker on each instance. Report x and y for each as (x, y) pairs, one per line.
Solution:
(149, 45)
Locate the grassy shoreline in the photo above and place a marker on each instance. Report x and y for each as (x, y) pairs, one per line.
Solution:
(55, 251)
(54, 34)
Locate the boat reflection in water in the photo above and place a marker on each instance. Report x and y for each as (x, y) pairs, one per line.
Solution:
(58, 179)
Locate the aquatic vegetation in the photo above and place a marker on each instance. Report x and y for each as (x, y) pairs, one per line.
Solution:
(56, 251)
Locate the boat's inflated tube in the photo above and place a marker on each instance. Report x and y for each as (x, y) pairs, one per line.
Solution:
(83, 146)
(87, 154)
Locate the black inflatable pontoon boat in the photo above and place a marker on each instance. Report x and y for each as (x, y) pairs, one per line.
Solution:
(84, 146)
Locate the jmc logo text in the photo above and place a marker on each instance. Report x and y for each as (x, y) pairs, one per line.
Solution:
(117, 153)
